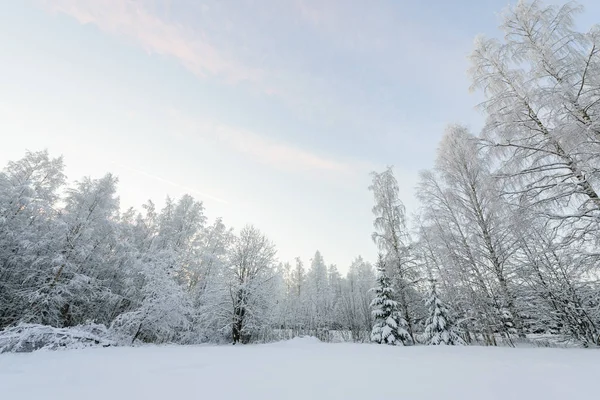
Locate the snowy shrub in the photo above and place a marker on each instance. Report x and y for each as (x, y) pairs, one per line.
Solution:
(25, 338)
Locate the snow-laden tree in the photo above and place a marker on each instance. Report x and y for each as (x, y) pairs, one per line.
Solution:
(392, 239)
(160, 308)
(542, 107)
(29, 193)
(559, 289)
(250, 280)
(439, 329)
(164, 310)
(463, 208)
(299, 296)
(355, 304)
(206, 280)
(74, 285)
(389, 326)
(318, 293)
(283, 318)
(334, 297)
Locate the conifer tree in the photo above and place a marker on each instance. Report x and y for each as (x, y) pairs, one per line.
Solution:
(389, 327)
(439, 329)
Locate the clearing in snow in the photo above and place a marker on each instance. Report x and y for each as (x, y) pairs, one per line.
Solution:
(301, 369)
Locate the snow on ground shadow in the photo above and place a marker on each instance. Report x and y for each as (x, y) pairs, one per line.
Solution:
(301, 369)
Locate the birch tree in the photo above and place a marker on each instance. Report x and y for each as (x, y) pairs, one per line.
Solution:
(542, 105)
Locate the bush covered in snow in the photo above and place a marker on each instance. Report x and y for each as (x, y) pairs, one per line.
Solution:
(25, 338)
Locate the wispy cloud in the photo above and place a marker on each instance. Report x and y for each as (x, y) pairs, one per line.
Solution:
(275, 154)
(339, 67)
(133, 20)
(261, 148)
(187, 189)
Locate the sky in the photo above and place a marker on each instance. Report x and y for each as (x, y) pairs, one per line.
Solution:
(270, 112)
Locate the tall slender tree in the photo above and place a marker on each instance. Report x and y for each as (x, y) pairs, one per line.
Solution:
(392, 239)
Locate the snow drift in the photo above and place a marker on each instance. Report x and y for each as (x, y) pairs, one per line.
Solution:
(26, 338)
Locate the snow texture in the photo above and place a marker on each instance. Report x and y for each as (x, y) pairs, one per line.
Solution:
(301, 369)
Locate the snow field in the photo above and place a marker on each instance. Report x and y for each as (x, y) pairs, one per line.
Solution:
(301, 369)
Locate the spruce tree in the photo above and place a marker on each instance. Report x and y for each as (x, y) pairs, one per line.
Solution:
(389, 327)
(439, 328)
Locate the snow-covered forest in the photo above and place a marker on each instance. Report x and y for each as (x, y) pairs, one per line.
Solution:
(504, 246)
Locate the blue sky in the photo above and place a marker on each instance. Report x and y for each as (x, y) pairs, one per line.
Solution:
(270, 112)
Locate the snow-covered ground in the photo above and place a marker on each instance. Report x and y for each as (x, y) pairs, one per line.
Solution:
(301, 369)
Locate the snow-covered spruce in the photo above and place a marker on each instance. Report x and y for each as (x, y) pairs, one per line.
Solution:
(389, 327)
(439, 329)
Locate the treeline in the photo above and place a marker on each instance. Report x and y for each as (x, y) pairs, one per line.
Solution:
(68, 257)
(504, 245)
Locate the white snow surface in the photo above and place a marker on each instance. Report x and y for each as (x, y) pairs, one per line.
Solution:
(301, 369)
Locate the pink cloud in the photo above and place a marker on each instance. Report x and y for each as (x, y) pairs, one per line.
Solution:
(273, 153)
(132, 20)
(260, 148)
